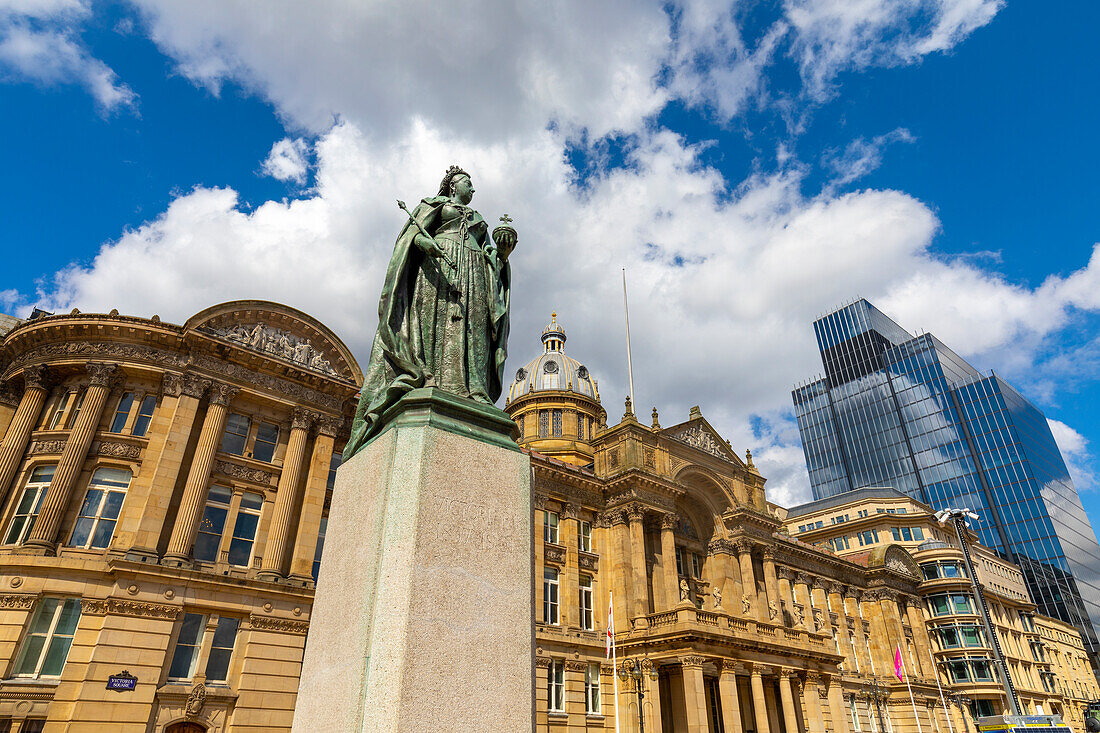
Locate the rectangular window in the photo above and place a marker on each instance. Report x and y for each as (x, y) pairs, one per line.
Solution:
(949, 638)
(320, 547)
(855, 713)
(267, 437)
(555, 685)
(971, 636)
(679, 561)
(930, 571)
(333, 464)
(236, 434)
(550, 527)
(99, 513)
(51, 634)
(187, 647)
(29, 504)
(75, 413)
(586, 602)
(962, 604)
(695, 563)
(59, 411)
(544, 423)
(580, 426)
(918, 533)
(212, 525)
(550, 596)
(244, 530)
(592, 689)
(221, 649)
(939, 605)
(584, 538)
(144, 416)
(33, 725)
(122, 412)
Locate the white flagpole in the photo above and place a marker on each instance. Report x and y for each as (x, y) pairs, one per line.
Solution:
(946, 712)
(629, 366)
(911, 699)
(614, 657)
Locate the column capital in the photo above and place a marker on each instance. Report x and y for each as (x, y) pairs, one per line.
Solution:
(670, 520)
(730, 666)
(802, 579)
(302, 419)
(820, 583)
(788, 673)
(756, 669)
(568, 511)
(784, 572)
(617, 517)
(102, 374)
(329, 425)
(834, 588)
(602, 520)
(36, 377)
(743, 546)
(190, 385)
(222, 393)
(692, 661)
(812, 677)
(768, 552)
(635, 512)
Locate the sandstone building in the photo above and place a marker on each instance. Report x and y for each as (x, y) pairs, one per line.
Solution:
(163, 496)
(164, 500)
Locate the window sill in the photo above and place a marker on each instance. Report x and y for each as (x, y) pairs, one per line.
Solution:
(557, 715)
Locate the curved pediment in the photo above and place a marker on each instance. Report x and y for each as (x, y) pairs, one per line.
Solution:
(893, 557)
(280, 332)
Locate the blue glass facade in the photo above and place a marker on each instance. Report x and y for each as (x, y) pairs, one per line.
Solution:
(907, 412)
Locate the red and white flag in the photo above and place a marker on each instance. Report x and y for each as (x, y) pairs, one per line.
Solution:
(610, 626)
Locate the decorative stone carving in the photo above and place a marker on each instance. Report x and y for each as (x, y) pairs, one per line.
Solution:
(568, 511)
(693, 661)
(768, 552)
(222, 393)
(328, 425)
(36, 377)
(746, 604)
(101, 374)
(303, 419)
(784, 573)
(743, 546)
(717, 593)
(799, 615)
(9, 395)
(635, 513)
(698, 437)
(773, 612)
(46, 447)
(669, 520)
(113, 449)
(118, 607)
(648, 458)
(543, 662)
(196, 700)
(191, 385)
(819, 620)
(574, 665)
(17, 601)
(110, 349)
(685, 590)
(272, 623)
(588, 561)
(613, 457)
(554, 554)
(244, 473)
(268, 340)
(266, 381)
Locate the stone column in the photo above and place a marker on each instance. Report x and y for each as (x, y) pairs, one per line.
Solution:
(820, 604)
(889, 604)
(760, 710)
(881, 651)
(22, 424)
(313, 504)
(836, 602)
(142, 520)
(285, 495)
(771, 585)
(790, 719)
(748, 581)
(621, 574)
(640, 588)
(537, 518)
(920, 635)
(198, 478)
(731, 588)
(569, 587)
(670, 581)
(812, 698)
(802, 598)
(727, 690)
(836, 705)
(695, 698)
(44, 533)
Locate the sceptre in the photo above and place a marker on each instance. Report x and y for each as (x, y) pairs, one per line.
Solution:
(401, 205)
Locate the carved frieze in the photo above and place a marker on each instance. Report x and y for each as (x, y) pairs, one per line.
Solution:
(588, 561)
(115, 449)
(275, 384)
(107, 349)
(46, 447)
(17, 601)
(554, 553)
(119, 607)
(244, 473)
(282, 344)
(272, 623)
(196, 700)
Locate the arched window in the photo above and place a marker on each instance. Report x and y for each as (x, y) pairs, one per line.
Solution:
(185, 727)
(99, 513)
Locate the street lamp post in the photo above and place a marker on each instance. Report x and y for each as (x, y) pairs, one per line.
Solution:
(631, 669)
(876, 692)
(958, 519)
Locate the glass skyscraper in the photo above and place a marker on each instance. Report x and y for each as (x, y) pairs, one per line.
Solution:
(907, 412)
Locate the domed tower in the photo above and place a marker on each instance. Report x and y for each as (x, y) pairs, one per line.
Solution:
(556, 402)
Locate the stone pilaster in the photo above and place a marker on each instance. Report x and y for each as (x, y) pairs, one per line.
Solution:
(727, 690)
(803, 616)
(198, 478)
(569, 587)
(286, 494)
(790, 719)
(837, 711)
(812, 700)
(749, 603)
(640, 606)
(44, 533)
(771, 585)
(759, 707)
(669, 580)
(695, 699)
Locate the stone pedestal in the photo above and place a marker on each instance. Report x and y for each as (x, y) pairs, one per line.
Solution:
(423, 619)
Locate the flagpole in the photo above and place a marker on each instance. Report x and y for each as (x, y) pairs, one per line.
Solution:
(911, 699)
(946, 712)
(629, 366)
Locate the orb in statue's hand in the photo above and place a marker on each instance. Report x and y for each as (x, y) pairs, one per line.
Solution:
(506, 239)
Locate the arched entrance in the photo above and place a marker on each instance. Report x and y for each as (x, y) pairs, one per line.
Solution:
(185, 728)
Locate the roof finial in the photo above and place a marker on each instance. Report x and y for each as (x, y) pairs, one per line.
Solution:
(748, 458)
(629, 407)
(656, 423)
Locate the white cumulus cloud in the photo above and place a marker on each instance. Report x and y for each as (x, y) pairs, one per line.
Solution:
(288, 160)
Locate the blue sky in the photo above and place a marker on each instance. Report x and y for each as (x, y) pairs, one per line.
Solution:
(752, 165)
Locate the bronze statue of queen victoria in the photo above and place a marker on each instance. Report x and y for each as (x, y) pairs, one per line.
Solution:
(444, 311)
